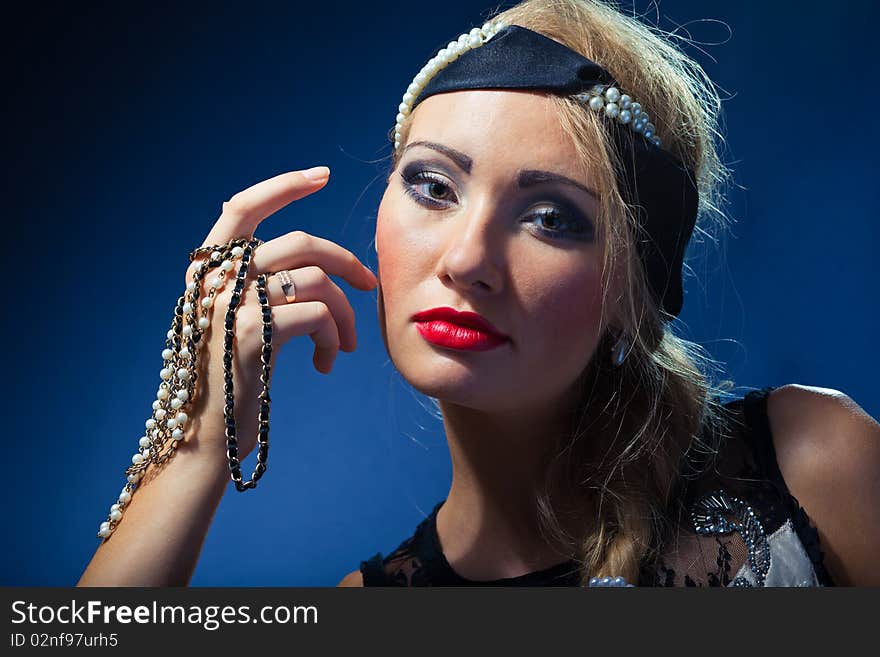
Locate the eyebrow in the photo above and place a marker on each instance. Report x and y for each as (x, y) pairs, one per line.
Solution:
(526, 177)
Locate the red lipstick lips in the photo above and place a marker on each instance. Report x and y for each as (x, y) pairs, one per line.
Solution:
(447, 327)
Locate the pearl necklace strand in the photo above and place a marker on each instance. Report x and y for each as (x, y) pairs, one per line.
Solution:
(610, 581)
(178, 376)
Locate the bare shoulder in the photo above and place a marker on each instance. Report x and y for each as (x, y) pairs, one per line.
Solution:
(828, 450)
(354, 578)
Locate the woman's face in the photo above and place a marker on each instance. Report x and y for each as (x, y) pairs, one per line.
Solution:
(479, 216)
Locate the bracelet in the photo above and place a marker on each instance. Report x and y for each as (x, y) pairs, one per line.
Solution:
(179, 374)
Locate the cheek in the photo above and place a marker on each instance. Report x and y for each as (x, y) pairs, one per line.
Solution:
(389, 253)
(398, 253)
(565, 315)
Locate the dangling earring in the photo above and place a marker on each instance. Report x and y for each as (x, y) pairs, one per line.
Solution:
(619, 351)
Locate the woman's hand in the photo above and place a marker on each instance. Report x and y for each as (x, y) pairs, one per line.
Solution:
(320, 310)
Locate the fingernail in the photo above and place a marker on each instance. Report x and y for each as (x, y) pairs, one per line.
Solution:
(316, 174)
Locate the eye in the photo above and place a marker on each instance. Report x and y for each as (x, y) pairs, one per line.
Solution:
(428, 188)
(561, 223)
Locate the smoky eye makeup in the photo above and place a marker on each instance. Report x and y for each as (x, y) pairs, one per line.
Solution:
(428, 183)
(549, 213)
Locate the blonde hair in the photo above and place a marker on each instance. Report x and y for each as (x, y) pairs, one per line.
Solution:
(624, 458)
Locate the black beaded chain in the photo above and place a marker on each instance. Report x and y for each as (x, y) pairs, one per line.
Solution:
(265, 357)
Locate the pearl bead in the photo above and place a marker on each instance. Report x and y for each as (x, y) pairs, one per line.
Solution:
(191, 287)
(226, 265)
(177, 434)
(596, 103)
(216, 255)
(475, 40)
(421, 78)
(104, 532)
(182, 417)
(116, 515)
(597, 89)
(636, 109)
(155, 434)
(475, 32)
(165, 373)
(166, 354)
(187, 331)
(136, 458)
(162, 393)
(182, 395)
(176, 403)
(413, 88)
(184, 353)
(215, 282)
(204, 322)
(408, 98)
(155, 404)
(183, 374)
(146, 453)
(207, 302)
(105, 525)
(144, 442)
(625, 116)
(612, 94)
(187, 308)
(134, 478)
(625, 102)
(612, 110)
(151, 423)
(171, 423)
(124, 497)
(160, 413)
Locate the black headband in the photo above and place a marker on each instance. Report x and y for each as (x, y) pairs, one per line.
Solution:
(661, 189)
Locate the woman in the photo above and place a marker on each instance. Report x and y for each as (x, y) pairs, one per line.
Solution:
(585, 439)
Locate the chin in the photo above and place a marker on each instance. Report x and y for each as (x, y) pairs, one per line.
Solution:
(469, 379)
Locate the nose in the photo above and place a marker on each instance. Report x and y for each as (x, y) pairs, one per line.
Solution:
(473, 251)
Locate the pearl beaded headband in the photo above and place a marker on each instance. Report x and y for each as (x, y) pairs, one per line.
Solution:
(602, 98)
(659, 187)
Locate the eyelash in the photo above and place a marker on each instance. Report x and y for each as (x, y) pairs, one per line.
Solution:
(411, 181)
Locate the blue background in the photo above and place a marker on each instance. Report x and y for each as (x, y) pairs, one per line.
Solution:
(127, 128)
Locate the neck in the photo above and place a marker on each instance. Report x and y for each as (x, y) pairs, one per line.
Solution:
(488, 526)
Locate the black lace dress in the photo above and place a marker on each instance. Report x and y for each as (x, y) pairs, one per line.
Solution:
(744, 528)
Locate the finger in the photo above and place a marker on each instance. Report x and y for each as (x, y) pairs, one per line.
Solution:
(299, 249)
(315, 319)
(313, 284)
(245, 210)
